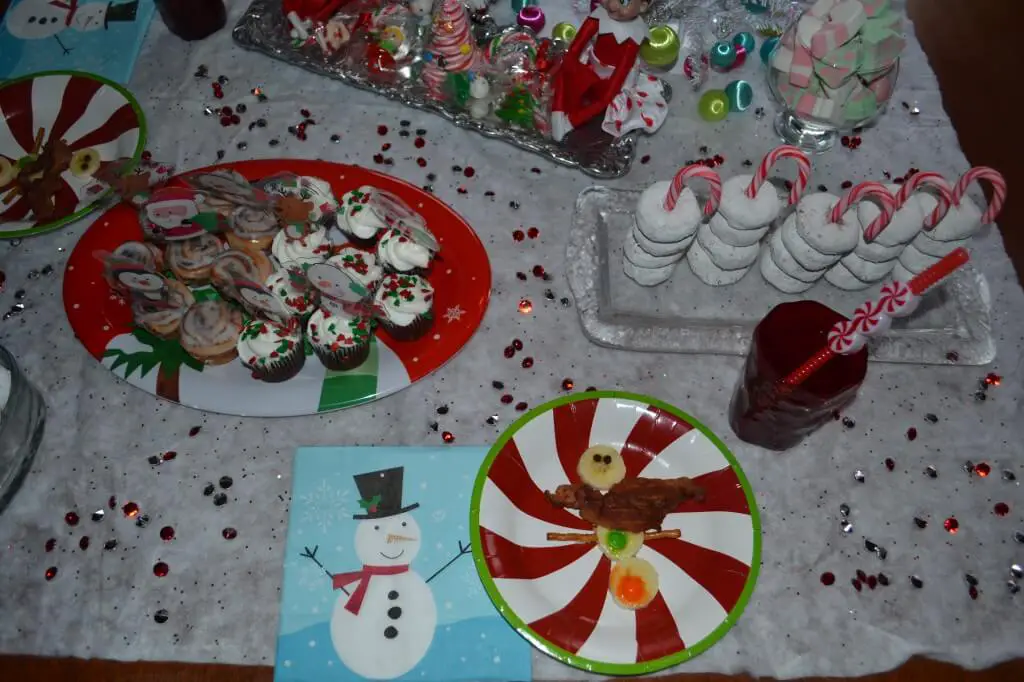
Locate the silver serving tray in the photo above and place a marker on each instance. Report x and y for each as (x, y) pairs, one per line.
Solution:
(263, 29)
(951, 326)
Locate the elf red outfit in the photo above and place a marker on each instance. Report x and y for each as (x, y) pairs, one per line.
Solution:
(602, 77)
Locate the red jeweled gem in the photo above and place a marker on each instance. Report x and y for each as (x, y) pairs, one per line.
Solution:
(419, 142)
(527, 363)
(538, 270)
(448, 437)
(193, 431)
(521, 407)
(827, 578)
(50, 544)
(517, 344)
(166, 533)
(1001, 509)
(169, 455)
(160, 569)
(890, 464)
(509, 351)
(567, 384)
(130, 509)
(856, 584)
(51, 573)
(71, 518)
(982, 469)
(518, 235)
(533, 233)
(83, 543)
(911, 433)
(507, 399)
(951, 525)
(229, 533)
(381, 130)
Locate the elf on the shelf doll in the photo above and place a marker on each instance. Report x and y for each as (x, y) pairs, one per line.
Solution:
(600, 75)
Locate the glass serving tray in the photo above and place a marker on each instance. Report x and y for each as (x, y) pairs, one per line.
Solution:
(951, 326)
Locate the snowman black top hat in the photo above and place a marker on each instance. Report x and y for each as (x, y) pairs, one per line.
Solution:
(380, 494)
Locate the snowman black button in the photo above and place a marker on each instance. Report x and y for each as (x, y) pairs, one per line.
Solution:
(394, 613)
(392, 595)
(391, 632)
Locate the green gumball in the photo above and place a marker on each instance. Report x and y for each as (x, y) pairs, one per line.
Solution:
(713, 105)
(722, 56)
(740, 95)
(518, 5)
(745, 40)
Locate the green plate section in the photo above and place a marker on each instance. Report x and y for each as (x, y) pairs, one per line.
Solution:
(558, 653)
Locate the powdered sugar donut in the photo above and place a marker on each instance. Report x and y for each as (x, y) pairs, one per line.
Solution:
(744, 213)
(927, 245)
(706, 270)
(790, 266)
(821, 234)
(866, 270)
(840, 276)
(774, 275)
(660, 225)
(905, 223)
(647, 277)
(732, 236)
(901, 274)
(636, 255)
(724, 255)
(916, 261)
(662, 248)
(961, 222)
(798, 247)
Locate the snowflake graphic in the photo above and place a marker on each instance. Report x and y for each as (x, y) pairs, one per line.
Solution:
(454, 314)
(324, 506)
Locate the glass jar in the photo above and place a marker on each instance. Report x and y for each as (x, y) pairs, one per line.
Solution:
(21, 428)
(812, 113)
(193, 19)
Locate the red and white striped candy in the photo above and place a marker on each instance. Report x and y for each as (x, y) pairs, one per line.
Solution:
(803, 171)
(898, 299)
(857, 194)
(688, 173)
(998, 183)
(844, 338)
(870, 318)
(943, 194)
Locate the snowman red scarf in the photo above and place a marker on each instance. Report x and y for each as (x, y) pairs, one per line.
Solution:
(71, 6)
(355, 602)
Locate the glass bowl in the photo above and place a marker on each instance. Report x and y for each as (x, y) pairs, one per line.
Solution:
(21, 428)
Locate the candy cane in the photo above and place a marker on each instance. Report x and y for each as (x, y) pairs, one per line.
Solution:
(944, 195)
(998, 189)
(803, 171)
(857, 194)
(688, 173)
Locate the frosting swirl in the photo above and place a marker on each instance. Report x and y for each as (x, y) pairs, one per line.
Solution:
(253, 223)
(192, 254)
(146, 255)
(358, 217)
(261, 343)
(401, 253)
(151, 316)
(294, 251)
(299, 300)
(334, 331)
(403, 298)
(237, 264)
(210, 323)
(360, 265)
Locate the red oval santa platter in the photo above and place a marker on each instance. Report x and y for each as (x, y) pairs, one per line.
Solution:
(102, 319)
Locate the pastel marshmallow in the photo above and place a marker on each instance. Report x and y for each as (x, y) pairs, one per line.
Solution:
(821, 8)
(788, 264)
(903, 227)
(838, 66)
(744, 213)
(844, 21)
(730, 235)
(801, 250)
(706, 270)
(777, 278)
(783, 59)
(660, 225)
(861, 105)
(840, 277)
(801, 70)
(961, 222)
(724, 255)
(866, 270)
(647, 277)
(816, 107)
(816, 227)
(873, 8)
(662, 248)
(915, 260)
(806, 28)
(635, 254)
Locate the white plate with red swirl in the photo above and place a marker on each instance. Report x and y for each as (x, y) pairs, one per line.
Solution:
(566, 596)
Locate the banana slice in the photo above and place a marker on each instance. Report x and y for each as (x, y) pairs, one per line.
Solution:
(633, 583)
(601, 467)
(619, 544)
(8, 171)
(85, 163)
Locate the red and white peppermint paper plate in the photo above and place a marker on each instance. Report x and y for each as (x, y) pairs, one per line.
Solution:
(556, 594)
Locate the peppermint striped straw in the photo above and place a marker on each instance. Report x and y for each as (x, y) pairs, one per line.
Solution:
(943, 193)
(887, 202)
(803, 172)
(897, 299)
(688, 173)
(998, 189)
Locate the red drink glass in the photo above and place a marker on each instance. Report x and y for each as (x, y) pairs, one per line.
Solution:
(193, 19)
(765, 413)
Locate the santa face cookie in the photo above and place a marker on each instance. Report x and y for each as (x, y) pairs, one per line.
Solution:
(647, 277)
(905, 223)
(744, 213)
(815, 225)
(660, 225)
(636, 255)
(662, 248)
(777, 278)
(735, 237)
(790, 266)
(726, 256)
(961, 222)
(706, 270)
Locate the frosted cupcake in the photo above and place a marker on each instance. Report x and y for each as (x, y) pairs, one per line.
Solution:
(357, 218)
(297, 251)
(340, 341)
(271, 352)
(407, 302)
(398, 254)
(209, 332)
(359, 265)
(298, 299)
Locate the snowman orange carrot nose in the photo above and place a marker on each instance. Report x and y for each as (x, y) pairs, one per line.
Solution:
(398, 538)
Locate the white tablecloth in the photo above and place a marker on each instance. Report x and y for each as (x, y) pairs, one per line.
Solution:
(222, 597)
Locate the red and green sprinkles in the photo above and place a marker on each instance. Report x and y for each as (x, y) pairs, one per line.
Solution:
(400, 288)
